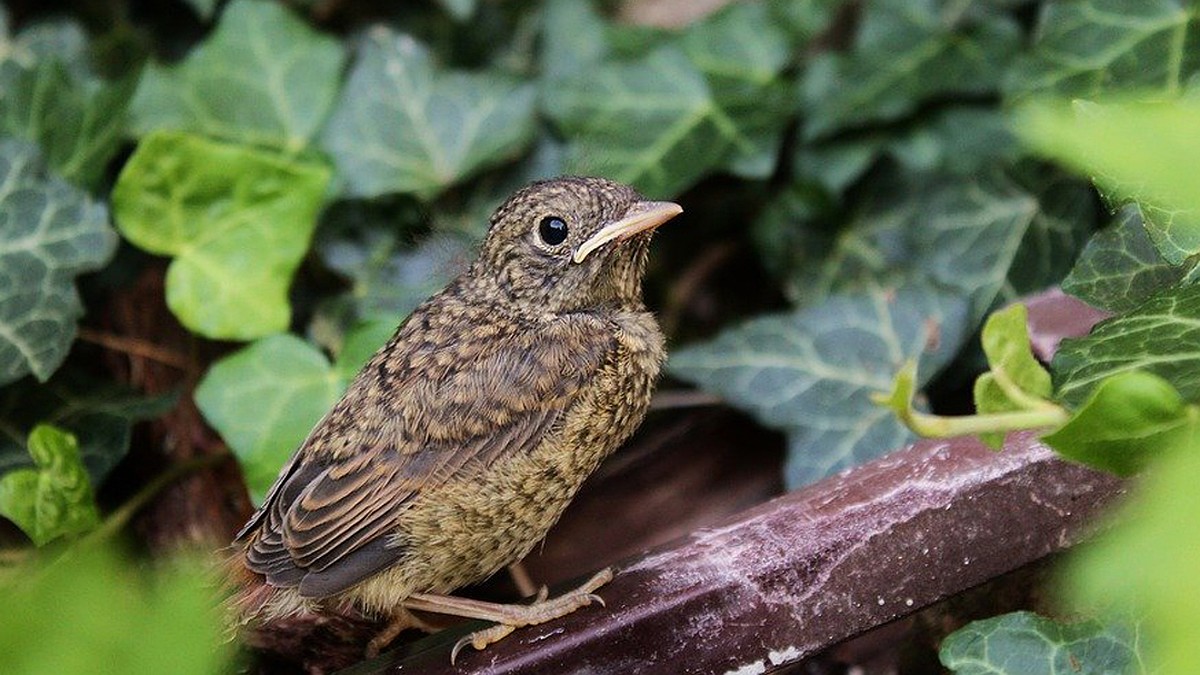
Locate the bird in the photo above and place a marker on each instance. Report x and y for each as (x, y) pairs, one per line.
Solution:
(461, 441)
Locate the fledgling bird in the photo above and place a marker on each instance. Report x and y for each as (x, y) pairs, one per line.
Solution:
(464, 437)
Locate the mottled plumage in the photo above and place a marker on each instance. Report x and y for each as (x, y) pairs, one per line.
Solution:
(463, 438)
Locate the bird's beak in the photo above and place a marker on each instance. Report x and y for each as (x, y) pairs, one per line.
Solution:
(640, 217)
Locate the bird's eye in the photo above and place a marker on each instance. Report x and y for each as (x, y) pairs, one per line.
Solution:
(553, 230)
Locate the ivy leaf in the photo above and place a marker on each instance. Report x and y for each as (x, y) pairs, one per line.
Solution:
(1119, 268)
(49, 96)
(265, 398)
(1023, 643)
(93, 610)
(1128, 420)
(403, 125)
(99, 415)
(205, 9)
(237, 220)
(1005, 341)
(54, 499)
(811, 372)
(742, 54)
(389, 280)
(906, 52)
(651, 123)
(1160, 337)
(1133, 151)
(460, 10)
(574, 37)
(1087, 47)
(50, 232)
(264, 78)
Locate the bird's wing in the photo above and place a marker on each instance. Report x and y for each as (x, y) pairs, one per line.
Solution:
(326, 522)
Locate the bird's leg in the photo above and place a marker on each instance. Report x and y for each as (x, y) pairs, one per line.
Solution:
(522, 580)
(401, 621)
(508, 617)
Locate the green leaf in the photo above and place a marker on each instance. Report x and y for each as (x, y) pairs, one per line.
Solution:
(1134, 152)
(1119, 268)
(811, 372)
(1160, 336)
(404, 125)
(205, 9)
(906, 52)
(76, 119)
(92, 611)
(388, 279)
(100, 415)
(266, 397)
(237, 220)
(1006, 343)
(1023, 643)
(742, 54)
(652, 123)
(460, 10)
(50, 232)
(264, 77)
(54, 499)
(1129, 419)
(1088, 47)
(573, 38)
(1143, 565)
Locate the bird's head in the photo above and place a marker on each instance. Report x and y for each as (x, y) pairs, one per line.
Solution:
(572, 243)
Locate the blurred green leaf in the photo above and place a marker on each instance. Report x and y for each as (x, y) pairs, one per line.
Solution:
(1023, 643)
(237, 220)
(1005, 340)
(264, 77)
(93, 612)
(99, 414)
(1134, 152)
(652, 123)
(51, 233)
(907, 51)
(265, 398)
(461, 10)
(404, 125)
(1120, 267)
(1129, 419)
(1088, 47)
(49, 96)
(53, 499)
(1143, 566)
(574, 37)
(1159, 336)
(205, 9)
(811, 372)
(742, 54)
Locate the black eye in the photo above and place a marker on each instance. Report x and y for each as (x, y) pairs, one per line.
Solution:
(553, 230)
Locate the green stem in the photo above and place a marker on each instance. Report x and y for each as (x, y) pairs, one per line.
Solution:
(1018, 395)
(938, 426)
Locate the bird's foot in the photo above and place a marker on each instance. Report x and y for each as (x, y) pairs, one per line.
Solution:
(509, 617)
(401, 621)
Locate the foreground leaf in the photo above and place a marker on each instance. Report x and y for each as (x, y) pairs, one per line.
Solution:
(53, 499)
(1142, 566)
(50, 232)
(265, 398)
(811, 372)
(93, 611)
(1134, 152)
(1120, 267)
(1129, 420)
(403, 125)
(237, 220)
(1160, 337)
(651, 123)
(1005, 341)
(264, 77)
(1088, 47)
(906, 51)
(1023, 643)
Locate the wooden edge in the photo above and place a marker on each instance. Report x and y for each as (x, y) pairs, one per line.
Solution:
(793, 576)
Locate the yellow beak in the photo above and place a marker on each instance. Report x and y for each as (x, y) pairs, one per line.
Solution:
(641, 216)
